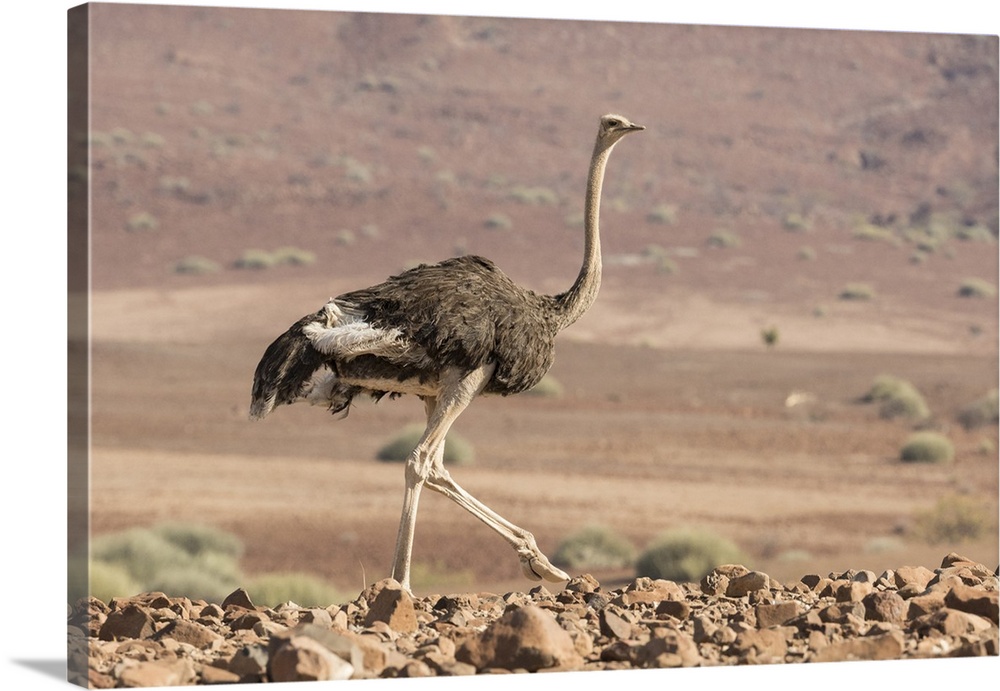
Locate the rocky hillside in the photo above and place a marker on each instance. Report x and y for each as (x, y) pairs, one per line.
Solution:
(733, 617)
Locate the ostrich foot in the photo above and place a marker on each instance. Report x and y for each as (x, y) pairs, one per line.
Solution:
(538, 567)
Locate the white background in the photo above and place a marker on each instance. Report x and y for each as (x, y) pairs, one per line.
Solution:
(33, 322)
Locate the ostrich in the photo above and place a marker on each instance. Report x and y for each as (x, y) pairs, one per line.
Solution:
(446, 333)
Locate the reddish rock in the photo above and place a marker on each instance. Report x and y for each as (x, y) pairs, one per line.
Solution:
(747, 583)
(917, 576)
(920, 605)
(678, 609)
(301, 658)
(983, 603)
(238, 598)
(884, 606)
(777, 614)
(527, 637)
(762, 645)
(393, 606)
(158, 673)
(668, 648)
(614, 625)
(189, 632)
(132, 621)
(888, 646)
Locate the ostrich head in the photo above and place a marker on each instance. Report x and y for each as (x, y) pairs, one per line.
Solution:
(614, 127)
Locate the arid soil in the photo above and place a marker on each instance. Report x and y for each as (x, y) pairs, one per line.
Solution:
(377, 142)
(734, 616)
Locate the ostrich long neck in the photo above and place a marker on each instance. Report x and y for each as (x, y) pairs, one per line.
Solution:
(578, 299)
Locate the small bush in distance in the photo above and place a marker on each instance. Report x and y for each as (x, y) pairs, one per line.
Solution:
(897, 398)
(594, 547)
(976, 288)
(857, 291)
(195, 265)
(142, 221)
(955, 518)
(927, 447)
(723, 238)
(685, 555)
(293, 256)
(254, 259)
(109, 581)
(664, 214)
(272, 589)
(457, 451)
(981, 412)
(197, 539)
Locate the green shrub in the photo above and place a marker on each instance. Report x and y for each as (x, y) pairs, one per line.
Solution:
(272, 589)
(770, 336)
(955, 518)
(685, 555)
(108, 581)
(182, 580)
(897, 398)
(806, 254)
(140, 551)
(723, 238)
(927, 447)
(142, 221)
(976, 288)
(293, 256)
(534, 195)
(664, 214)
(254, 259)
(872, 233)
(857, 291)
(498, 222)
(197, 539)
(796, 223)
(981, 412)
(195, 264)
(594, 547)
(548, 387)
(457, 451)
(975, 233)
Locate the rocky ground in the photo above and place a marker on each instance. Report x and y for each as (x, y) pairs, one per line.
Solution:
(733, 616)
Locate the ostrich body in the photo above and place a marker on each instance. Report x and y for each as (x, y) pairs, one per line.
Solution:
(446, 333)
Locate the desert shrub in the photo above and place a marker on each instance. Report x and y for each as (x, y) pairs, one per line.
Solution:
(293, 256)
(983, 411)
(498, 222)
(686, 555)
(954, 518)
(111, 580)
(806, 254)
(594, 547)
(534, 195)
(873, 233)
(142, 221)
(927, 447)
(195, 264)
(857, 291)
(897, 398)
(548, 387)
(723, 238)
(976, 288)
(975, 233)
(182, 580)
(796, 223)
(254, 259)
(140, 551)
(770, 336)
(664, 214)
(272, 589)
(345, 237)
(457, 451)
(197, 539)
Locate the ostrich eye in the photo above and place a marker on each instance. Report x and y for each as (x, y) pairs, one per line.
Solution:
(613, 123)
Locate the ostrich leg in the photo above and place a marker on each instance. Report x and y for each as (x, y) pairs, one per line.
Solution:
(456, 394)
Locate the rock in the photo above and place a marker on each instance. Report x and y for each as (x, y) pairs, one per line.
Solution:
(983, 603)
(317, 616)
(920, 605)
(884, 606)
(762, 645)
(811, 580)
(747, 583)
(301, 658)
(613, 625)
(583, 584)
(668, 648)
(678, 609)
(917, 576)
(132, 621)
(656, 591)
(238, 598)
(393, 606)
(951, 622)
(249, 662)
(158, 673)
(217, 675)
(853, 591)
(888, 646)
(189, 632)
(839, 613)
(777, 614)
(714, 584)
(526, 637)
